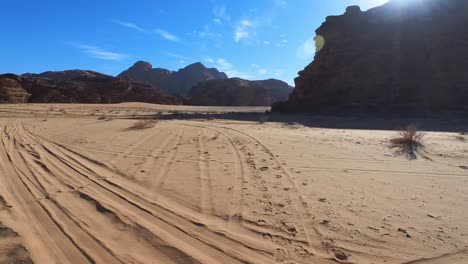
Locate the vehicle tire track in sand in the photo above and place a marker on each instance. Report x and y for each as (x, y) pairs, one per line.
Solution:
(153, 159)
(451, 258)
(235, 211)
(160, 178)
(204, 176)
(83, 216)
(48, 237)
(314, 243)
(133, 147)
(147, 218)
(169, 228)
(92, 247)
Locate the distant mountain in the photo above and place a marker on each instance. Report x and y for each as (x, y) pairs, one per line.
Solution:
(194, 84)
(239, 92)
(77, 86)
(176, 83)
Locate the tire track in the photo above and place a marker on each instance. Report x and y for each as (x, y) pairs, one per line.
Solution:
(154, 157)
(205, 176)
(133, 147)
(157, 182)
(48, 237)
(90, 190)
(82, 239)
(235, 215)
(133, 207)
(314, 241)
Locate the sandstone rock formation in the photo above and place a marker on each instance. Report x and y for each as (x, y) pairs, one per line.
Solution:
(12, 92)
(177, 83)
(404, 55)
(79, 86)
(239, 92)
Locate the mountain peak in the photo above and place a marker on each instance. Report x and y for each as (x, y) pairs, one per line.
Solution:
(142, 65)
(179, 82)
(196, 65)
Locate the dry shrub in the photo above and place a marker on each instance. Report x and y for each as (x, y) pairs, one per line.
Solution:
(143, 124)
(215, 137)
(262, 119)
(409, 143)
(460, 138)
(105, 118)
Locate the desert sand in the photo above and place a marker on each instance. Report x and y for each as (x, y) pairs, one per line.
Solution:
(79, 185)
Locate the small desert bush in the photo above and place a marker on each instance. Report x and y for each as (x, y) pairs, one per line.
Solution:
(409, 143)
(143, 124)
(105, 118)
(460, 138)
(262, 119)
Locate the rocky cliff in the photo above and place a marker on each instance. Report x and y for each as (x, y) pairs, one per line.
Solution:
(12, 92)
(404, 55)
(177, 83)
(79, 86)
(239, 92)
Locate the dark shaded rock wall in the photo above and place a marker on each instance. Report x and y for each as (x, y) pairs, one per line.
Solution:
(404, 55)
(239, 92)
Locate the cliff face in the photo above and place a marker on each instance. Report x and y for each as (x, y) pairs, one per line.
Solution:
(239, 92)
(402, 55)
(179, 82)
(84, 87)
(12, 92)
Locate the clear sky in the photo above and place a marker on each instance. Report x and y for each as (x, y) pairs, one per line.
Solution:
(254, 39)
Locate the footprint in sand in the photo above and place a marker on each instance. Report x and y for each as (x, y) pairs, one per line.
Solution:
(281, 254)
(301, 251)
(340, 256)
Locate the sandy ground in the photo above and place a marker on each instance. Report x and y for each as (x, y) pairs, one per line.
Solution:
(78, 186)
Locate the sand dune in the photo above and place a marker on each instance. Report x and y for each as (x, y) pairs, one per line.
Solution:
(77, 188)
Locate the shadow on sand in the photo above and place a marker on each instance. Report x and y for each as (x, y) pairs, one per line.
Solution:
(439, 123)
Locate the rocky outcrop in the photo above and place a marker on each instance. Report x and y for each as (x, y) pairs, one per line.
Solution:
(60, 76)
(12, 92)
(177, 83)
(79, 86)
(404, 55)
(239, 92)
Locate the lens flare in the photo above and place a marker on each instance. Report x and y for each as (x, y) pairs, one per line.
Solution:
(319, 43)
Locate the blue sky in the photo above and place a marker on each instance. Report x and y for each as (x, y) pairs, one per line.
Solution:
(250, 39)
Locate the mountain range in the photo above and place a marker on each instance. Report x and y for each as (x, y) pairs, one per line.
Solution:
(141, 83)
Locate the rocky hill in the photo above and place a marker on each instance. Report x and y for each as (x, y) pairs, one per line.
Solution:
(404, 55)
(176, 83)
(77, 86)
(12, 92)
(239, 92)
